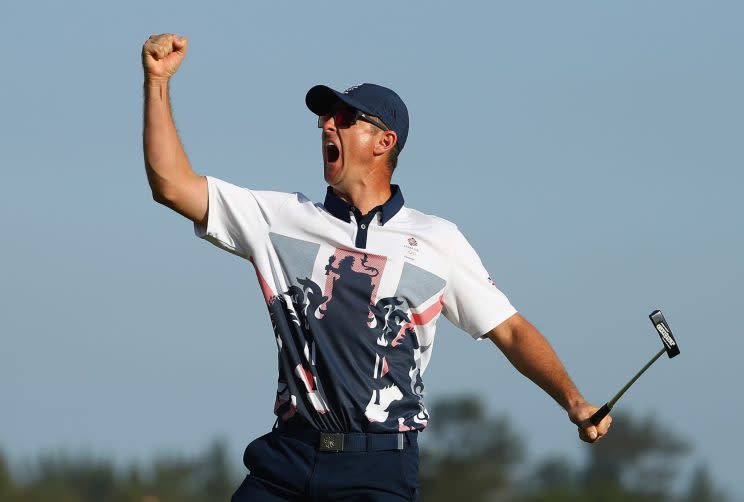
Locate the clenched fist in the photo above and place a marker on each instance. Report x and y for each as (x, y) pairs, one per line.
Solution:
(162, 55)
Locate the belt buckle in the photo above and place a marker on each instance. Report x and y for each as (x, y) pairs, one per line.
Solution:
(331, 441)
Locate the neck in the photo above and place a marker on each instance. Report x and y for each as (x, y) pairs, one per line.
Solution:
(367, 193)
(365, 198)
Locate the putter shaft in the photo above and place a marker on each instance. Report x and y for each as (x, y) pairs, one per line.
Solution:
(604, 410)
(612, 401)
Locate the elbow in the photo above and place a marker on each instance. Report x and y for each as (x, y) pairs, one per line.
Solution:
(162, 192)
(162, 197)
(156, 188)
(158, 196)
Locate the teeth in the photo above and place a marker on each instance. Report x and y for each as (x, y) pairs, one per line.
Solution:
(330, 143)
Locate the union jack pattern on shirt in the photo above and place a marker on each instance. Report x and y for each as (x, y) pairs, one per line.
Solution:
(354, 327)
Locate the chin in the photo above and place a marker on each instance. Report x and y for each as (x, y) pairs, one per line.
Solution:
(332, 174)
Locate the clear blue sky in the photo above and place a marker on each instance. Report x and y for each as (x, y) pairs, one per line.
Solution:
(591, 152)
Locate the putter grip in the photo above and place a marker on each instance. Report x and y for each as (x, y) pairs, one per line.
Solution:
(599, 415)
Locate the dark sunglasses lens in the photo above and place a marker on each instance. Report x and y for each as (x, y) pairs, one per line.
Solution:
(345, 117)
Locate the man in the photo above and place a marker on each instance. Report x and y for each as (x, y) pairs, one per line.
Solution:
(354, 287)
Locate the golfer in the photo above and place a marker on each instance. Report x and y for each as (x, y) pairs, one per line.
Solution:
(354, 287)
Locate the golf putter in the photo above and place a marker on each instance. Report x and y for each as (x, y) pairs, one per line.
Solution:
(670, 347)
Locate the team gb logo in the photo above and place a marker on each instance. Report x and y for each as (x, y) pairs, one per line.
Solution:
(355, 86)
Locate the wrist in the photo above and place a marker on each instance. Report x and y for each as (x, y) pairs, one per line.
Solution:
(573, 401)
(152, 81)
(156, 89)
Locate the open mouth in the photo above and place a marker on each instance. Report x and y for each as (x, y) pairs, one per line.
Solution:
(332, 151)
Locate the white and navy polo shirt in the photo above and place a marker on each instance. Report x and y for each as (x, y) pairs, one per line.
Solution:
(353, 300)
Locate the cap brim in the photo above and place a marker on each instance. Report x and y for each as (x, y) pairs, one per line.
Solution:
(321, 98)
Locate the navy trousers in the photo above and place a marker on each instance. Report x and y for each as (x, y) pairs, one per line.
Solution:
(284, 468)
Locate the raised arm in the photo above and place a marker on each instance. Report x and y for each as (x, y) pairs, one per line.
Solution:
(172, 180)
(533, 356)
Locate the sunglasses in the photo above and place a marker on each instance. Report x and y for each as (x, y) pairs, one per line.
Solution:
(347, 117)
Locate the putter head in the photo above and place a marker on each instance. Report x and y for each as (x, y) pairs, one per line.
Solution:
(665, 332)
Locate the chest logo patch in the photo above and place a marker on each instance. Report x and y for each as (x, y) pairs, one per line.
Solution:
(411, 248)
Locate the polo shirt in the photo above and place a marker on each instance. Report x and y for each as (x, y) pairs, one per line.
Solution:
(353, 300)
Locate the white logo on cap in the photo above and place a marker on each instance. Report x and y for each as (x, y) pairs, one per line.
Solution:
(355, 86)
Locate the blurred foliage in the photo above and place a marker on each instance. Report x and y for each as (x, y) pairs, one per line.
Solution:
(468, 456)
(60, 478)
(702, 488)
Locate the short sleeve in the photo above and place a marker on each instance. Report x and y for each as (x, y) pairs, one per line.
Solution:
(472, 302)
(239, 219)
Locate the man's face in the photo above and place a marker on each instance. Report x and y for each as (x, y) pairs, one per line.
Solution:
(347, 149)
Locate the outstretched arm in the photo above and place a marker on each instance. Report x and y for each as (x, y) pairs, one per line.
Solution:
(529, 352)
(172, 181)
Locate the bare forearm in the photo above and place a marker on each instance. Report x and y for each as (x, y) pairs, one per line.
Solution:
(165, 159)
(532, 355)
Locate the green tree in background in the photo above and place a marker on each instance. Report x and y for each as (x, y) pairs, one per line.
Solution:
(702, 488)
(60, 478)
(640, 457)
(7, 486)
(469, 456)
(638, 461)
(466, 456)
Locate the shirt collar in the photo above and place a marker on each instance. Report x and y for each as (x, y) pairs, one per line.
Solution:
(342, 210)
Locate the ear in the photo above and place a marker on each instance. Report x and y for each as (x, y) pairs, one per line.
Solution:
(385, 142)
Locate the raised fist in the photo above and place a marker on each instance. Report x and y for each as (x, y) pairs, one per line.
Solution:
(162, 55)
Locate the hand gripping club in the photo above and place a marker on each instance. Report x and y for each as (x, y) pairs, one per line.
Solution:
(670, 347)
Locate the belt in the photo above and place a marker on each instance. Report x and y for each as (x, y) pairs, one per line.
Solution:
(348, 441)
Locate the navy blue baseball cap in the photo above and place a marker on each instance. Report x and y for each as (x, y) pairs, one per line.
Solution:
(369, 98)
